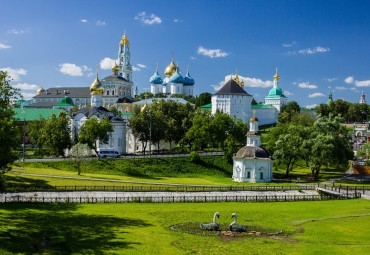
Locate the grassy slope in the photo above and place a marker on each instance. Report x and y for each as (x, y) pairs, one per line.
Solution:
(144, 228)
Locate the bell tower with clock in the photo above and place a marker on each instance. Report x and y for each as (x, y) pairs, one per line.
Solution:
(125, 68)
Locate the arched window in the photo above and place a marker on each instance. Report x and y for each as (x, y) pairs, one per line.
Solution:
(261, 175)
(249, 174)
(112, 92)
(107, 92)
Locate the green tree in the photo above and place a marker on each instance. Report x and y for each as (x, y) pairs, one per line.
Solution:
(288, 111)
(94, 131)
(140, 125)
(114, 110)
(36, 136)
(79, 154)
(56, 134)
(203, 99)
(7, 94)
(199, 135)
(254, 102)
(323, 110)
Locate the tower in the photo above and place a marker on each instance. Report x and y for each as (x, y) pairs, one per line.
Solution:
(276, 96)
(253, 136)
(362, 100)
(330, 99)
(125, 68)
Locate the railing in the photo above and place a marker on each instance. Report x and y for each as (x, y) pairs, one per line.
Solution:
(157, 188)
(346, 189)
(167, 199)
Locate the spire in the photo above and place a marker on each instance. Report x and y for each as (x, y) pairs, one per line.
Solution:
(362, 100)
(157, 67)
(172, 56)
(236, 79)
(276, 77)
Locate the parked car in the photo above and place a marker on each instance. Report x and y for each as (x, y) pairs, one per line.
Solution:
(105, 153)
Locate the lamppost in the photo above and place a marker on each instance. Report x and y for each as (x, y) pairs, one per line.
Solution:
(24, 128)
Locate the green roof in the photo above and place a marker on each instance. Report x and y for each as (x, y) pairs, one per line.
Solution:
(306, 109)
(65, 101)
(207, 106)
(34, 113)
(262, 106)
(126, 113)
(276, 92)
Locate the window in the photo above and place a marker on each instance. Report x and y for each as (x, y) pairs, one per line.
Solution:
(261, 175)
(112, 92)
(249, 175)
(107, 93)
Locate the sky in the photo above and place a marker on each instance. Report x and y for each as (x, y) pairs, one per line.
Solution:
(317, 46)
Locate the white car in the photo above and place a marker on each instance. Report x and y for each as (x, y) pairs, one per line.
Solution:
(112, 153)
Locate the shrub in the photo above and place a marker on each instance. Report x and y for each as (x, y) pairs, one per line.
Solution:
(194, 156)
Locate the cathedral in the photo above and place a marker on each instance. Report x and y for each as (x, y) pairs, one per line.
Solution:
(173, 83)
(118, 87)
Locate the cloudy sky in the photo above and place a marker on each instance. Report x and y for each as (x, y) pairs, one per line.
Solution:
(317, 46)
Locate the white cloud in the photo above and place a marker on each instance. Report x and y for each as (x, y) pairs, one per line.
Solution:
(218, 86)
(148, 19)
(177, 20)
(289, 44)
(83, 20)
(362, 83)
(101, 23)
(106, 63)
(71, 69)
(14, 73)
(16, 32)
(309, 51)
(311, 106)
(341, 88)
(212, 53)
(349, 80)
(306, 85)
(192, 57)
(26, 86)
(317, 94)
(135, 69)
(27, 95)
(248, 82)
(4, 46)
(330, 79)
(141, 65)
(288, 93)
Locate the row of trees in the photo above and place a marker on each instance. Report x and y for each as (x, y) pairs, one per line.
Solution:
(177, 123)
(202, 99)
(350, 112)
(320, 142)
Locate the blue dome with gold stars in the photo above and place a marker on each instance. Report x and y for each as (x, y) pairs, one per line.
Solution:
(156, 78)
(176, 77)
(188, 81)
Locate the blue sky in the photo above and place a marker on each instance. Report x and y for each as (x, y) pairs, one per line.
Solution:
(317, 46)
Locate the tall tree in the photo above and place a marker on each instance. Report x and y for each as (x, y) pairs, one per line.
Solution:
(36, 135)
(94, 131)
(199, 135)
(57, 134)
(79, 154)
(203, 99)
(140, 125)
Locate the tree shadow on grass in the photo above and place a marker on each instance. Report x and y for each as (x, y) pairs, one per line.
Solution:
(57, 229)
(16, 180)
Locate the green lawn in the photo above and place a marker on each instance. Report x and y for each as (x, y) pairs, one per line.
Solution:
(310, 227)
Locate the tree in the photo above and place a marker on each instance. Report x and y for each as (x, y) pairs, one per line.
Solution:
(114, 110)
(140, 125)
(57, 134)
(288, 111)
(36, 136)
(199, 135)
(9, 134)
(254, 102)
(203, 99)
(79, 153)
(323, 110)
(94, 131)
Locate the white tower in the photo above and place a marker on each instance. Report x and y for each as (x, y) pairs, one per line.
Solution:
(253, 137)
(276, 96)
(362, 100)
(124, 58)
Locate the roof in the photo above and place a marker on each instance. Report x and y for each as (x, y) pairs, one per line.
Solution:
(73, 92)
(114, 78)
(253, 133)
(232, 88)
(124, 100)
(33, 114)
(41, 105)
(65, 101)
(92, 110)
(251, 152)
(262, 106)
(207, 106)
(307, 109)
(125, 113)
(156, 78)
(276, 92)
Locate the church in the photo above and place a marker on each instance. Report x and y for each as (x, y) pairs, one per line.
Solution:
(173, 83)
(252, 162)
(117, 87)
(234, 100)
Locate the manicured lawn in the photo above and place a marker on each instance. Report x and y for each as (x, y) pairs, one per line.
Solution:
(144, 228)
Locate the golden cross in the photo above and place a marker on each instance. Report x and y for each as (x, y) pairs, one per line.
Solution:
(157, 66)
(276, 70)
(172, 55)
(254, 113)
(124, 32)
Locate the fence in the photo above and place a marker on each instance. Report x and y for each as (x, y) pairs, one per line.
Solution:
(157, 188)
(340, 188)
(170, 199)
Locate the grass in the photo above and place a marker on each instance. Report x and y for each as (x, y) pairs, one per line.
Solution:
(310, 227)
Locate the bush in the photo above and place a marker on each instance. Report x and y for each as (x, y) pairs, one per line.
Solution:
(194, 156)
(3, 184)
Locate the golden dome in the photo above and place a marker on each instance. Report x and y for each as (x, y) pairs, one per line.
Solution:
(276, 77)
(96, 87)
(236, 78)
(115, 67)
(254, 118)
(40, 90)
(124, 39)
(171, 69)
